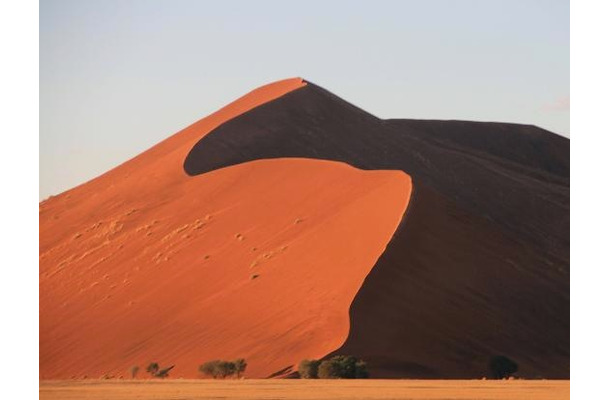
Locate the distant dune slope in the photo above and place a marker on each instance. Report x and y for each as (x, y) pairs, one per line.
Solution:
(480, 264)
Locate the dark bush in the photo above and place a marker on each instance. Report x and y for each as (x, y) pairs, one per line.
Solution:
(152, 368)
(308, 369)
(222, 369)
(210, 368)
(361, 372)
(329, 369)
(502, 367)
(134, 371)
(226, 368)
(240, 366)
(164, 373)
(342, 367)
(156, 372)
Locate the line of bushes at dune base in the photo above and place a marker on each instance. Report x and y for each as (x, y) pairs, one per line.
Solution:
(337, 367)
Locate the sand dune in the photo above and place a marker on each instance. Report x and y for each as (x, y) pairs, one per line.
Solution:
(258, 261)
(283, 227)
(480, 264)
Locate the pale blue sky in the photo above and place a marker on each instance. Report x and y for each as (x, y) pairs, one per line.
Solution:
(118, 76)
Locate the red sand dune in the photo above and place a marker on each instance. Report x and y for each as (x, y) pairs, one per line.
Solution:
(256, 232)
(478, 267)
(260, 260)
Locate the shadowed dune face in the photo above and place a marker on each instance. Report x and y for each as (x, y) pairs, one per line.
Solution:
(452, 289)
(260, 260)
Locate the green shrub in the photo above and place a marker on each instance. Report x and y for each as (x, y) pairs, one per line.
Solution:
(240, 366)
(361, 372)
(342, 367)
(226, 368)
(502, 367)
(152, 368)
(210, 368)
(329, 369)
(222, 369)
(164, 373)
(308, 369)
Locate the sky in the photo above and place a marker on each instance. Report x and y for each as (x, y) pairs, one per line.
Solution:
(118, 76)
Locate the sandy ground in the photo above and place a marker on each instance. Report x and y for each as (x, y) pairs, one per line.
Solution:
(305, 389)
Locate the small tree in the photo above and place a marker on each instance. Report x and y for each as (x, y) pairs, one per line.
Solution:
(222, 369)
(226, 368)
(346, 367)
(134, 371)
(164, 373)
(502, 367)
(329, 369)
(209, 368)
(152, 368)
(308, 369)
(240, 366)
(361, 372)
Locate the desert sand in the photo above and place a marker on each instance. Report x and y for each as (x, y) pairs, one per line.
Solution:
(307, 390)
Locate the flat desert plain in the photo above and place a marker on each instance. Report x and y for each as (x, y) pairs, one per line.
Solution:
(306, 389)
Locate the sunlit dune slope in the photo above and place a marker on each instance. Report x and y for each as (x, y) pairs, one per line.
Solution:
(260, 260)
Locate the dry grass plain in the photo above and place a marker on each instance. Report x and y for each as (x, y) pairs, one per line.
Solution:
(305, 389)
